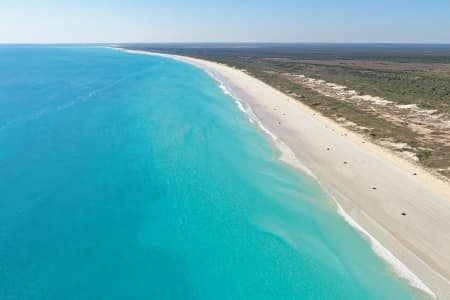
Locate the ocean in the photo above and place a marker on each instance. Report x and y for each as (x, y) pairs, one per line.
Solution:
(126, 176)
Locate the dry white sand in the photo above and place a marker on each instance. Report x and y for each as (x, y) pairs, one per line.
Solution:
(371, 185)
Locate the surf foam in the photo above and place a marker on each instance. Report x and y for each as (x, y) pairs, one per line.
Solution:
(399, 268)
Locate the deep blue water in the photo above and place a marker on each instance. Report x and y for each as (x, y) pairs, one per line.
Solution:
(134, 177)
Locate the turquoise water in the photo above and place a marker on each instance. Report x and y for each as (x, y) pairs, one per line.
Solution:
(134, 177)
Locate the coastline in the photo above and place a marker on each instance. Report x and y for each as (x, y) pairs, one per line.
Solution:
(349, 168)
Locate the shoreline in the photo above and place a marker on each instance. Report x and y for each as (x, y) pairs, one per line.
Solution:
(371, 190)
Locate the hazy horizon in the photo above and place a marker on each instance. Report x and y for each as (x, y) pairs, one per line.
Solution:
(250, 44)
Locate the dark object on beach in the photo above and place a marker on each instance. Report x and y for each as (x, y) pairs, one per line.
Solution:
(328, 149)
(414, 174)
(345, 162)
(316, 103)
(403, 214)
(279, 123)
(374, 188)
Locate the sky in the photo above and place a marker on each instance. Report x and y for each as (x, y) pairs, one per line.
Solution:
(114, 21)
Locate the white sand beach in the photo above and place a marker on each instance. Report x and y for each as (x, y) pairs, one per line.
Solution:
(402, 210)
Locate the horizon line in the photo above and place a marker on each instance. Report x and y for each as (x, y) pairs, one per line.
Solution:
(225, 43)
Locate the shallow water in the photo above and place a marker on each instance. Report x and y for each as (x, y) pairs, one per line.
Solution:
(127, 176)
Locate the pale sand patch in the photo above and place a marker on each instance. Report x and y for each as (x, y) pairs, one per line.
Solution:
(374, 187)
